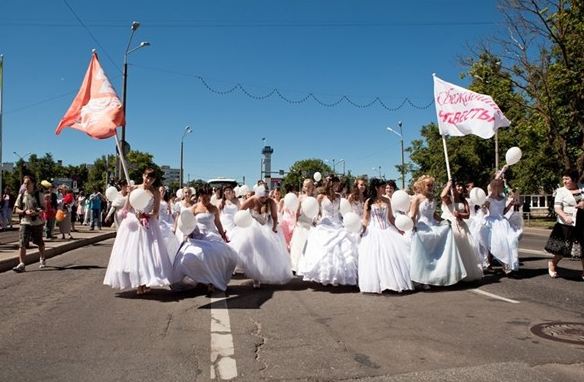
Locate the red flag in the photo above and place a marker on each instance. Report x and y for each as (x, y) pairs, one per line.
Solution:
(96, 110)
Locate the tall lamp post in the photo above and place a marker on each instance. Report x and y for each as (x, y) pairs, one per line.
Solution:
(188, 130)
(23, 159)
(401, 137)
(134, 27)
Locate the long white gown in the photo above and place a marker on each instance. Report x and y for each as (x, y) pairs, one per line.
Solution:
(262, 252)
(331, 252)
(139, 256)
(435, 259)
(205, 258)
(384, 261)
(166, 222)
(499, 237)
(227, 218)
(299, 236)
(475, 222)
(473, 262)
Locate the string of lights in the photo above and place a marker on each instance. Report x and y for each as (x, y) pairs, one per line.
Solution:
(277, 92)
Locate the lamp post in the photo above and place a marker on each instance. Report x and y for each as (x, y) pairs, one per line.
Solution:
(188, 130)
(23, 160)
(134, 27)
(401, 137)
(378, 168)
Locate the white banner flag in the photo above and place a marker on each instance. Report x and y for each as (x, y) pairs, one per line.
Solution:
(463, 112)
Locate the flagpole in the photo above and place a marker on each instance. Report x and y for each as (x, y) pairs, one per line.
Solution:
(122, 158)
(496, 150)
(446, 157)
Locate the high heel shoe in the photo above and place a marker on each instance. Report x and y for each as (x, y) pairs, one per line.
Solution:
(553, 274)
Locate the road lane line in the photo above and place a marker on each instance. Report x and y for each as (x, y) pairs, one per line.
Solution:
(535, 252)
(478, 291)
(223, 365)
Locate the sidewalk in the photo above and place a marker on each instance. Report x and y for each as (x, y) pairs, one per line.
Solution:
(83, 236)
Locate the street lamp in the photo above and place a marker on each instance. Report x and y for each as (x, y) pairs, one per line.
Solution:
(23, 159)
(188, 130)
(401, 137)
(134, 27)
(378, 168)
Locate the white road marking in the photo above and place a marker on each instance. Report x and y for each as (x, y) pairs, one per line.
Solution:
(223, 365)
(478, 291)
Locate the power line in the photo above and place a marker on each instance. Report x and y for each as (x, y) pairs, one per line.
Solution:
(92, 36)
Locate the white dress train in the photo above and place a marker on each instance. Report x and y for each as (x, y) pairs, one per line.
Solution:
(262, 252)
(331, 252)
(384, 261)
(205, 258)
(499, 237)
(139, 256)
(435, 259)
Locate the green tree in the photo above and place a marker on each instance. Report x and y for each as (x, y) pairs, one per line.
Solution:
(138, 161)
(303, 169)
(98, 173)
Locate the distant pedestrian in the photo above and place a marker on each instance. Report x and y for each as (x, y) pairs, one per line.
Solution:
(49, 213)
(7, 204)
(95, 201)
(65, 202)
(29, 208)
(81, 207)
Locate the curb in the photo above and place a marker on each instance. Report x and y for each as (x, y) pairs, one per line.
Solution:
(33, 257)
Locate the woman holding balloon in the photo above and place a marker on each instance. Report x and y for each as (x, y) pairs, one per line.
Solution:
(205, 257)
(435, 259)
(139, 259)
(383, 251)
(303, 222)
(331, 252)
(261, 247)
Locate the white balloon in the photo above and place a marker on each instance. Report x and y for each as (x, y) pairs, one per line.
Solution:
(477, 196)
(352, 222)
(243, 190)
(139, 199)
(186, 222)
(242, 219)
(513, 155)
(317, 176)
(310, 207)
(400, 201)
(403, 222)
(193, 191)
(345, 207)
(111, 193)
(236, 191)
(132, 183)
(291, 201)
(179, 193)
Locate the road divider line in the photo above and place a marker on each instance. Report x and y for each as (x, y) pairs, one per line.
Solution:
(535, 252)
(482, 292)
(223, 365)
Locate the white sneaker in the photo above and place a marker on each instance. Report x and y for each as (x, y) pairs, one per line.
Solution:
(19, 268)
(42, 263)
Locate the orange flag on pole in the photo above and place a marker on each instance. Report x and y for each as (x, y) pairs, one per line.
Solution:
(96, 110)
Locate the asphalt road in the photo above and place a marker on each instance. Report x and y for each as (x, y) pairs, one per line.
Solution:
(62, 324)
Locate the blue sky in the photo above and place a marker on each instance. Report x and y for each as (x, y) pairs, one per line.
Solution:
(362, 49)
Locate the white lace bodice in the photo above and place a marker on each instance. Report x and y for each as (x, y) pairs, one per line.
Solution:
(358, 207)
(331, 210)
(206, 223)
(261, 218)
(378, 216)
(164, 212)
(426, 211)
(230, 210)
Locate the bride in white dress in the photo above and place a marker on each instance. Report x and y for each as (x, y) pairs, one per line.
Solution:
(384, 261)
(228, 206)
(261, 247)
(456, 209)
(496, 234)
(435, 259)
(331, 252)
(205, 257)
(302, 227)
(166, 222)
(139, 258)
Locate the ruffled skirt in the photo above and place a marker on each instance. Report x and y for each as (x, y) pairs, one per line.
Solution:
(330, 256)
(501, 240)
(384, 261)
(139, 256)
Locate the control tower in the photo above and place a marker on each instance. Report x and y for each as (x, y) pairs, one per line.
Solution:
(266, 174)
